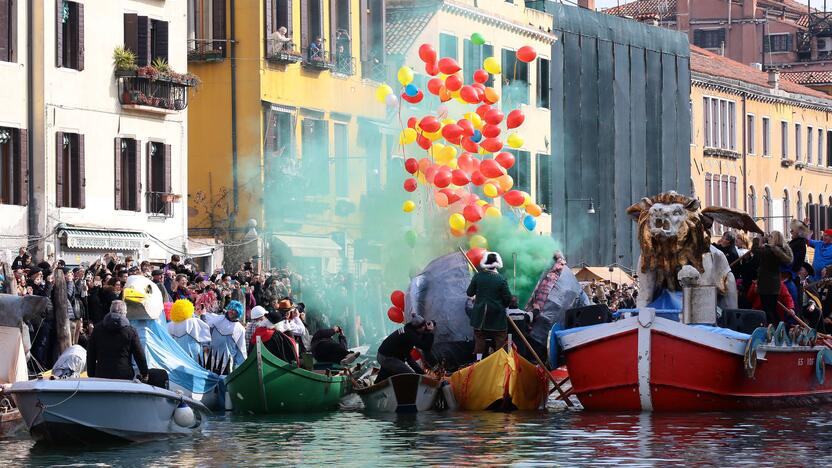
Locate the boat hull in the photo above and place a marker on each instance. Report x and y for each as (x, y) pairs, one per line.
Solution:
(265, 384)
(92, 411)
(502, 381)
(654, 364)
(403, 393)
(11, 423)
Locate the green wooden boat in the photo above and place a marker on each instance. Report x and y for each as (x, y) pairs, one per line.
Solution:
(264, 384)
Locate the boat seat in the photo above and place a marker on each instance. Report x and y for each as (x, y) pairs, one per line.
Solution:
(742, 320)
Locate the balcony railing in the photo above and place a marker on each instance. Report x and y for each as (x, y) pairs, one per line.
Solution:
(159, 204)
(374, 69)
(344, 65)
(205, 50)
(142, 91)
(282, 52)
(318, 59)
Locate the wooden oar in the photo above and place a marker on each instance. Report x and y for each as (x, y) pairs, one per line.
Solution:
(739, 259)
(529, 347)
(801, 322)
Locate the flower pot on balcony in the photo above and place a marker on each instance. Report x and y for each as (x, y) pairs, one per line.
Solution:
(168, 197)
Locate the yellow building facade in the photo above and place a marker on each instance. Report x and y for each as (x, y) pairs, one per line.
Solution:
(760, 144)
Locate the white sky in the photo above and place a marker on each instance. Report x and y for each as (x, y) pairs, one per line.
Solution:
(612, 3)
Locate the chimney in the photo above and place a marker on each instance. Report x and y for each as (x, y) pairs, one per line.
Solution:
(588, 4)
(774, 78)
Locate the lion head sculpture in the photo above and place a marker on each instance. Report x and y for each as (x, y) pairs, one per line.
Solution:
(674, 232)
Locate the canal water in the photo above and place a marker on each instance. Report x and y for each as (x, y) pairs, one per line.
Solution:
(796, 437)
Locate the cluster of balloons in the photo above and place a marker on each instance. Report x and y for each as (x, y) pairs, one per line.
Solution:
(396, 313)
(465, 154)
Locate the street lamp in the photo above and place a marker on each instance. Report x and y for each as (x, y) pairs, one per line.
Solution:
(590, 209)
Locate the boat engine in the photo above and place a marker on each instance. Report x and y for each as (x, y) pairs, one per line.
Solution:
(183, 415)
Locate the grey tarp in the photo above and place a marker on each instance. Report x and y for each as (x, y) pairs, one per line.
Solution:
(438, 293)
(564, 295)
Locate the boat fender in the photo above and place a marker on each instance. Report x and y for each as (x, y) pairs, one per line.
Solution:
(758, 337)
(824, 358)
(183, 415)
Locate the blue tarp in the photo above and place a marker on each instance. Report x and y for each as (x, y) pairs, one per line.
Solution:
(162, 352)
(668, 305)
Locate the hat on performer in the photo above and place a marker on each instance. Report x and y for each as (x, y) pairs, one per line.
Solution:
(491, 261)
(827, 232)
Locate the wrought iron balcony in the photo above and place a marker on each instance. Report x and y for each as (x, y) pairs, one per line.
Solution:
(318, 59)
(206, 50)
(282, 52)
(147, 89)
(160, 204)
(344, 65)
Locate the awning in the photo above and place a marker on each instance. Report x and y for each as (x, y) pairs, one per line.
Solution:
(616, 276)
(102, 239)
(309, 246)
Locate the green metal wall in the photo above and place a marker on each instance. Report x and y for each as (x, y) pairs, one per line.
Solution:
(620, 128)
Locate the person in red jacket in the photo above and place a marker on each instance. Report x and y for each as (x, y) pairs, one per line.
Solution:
(783, 299)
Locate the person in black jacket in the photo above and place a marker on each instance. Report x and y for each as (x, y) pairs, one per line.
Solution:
(114, 346)
(325, 349)
(394, 352)
(800, 232)
(491, 298)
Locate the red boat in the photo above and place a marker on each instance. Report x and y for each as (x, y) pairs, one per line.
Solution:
(650, 363)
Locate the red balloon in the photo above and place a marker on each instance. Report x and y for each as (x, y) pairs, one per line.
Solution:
(430, 124)
(430, 173)
(434, 85)
(423, 142)
(452, 196)
(491, 145)
(427, 53)
(505, 159)
(411, 165)
(490, 131)
(448, 66)
(453, 83)
(483, 109)
(475, 166)
(465, 162)
(467, 127)
(397, 298)
(514, 198)
(444, 94)
(477, 178)
(459, 177)
(491, 169)
(480, 76)
(526, 54)
(442, 178)
(432, 69)
(452, 132)
(469, 145)
(414, 99)
(515, 119)
(472, 229)
(410, 185)
(494, 117)
(395, 314)
(469, 94)
(475, 255)
(472, 213)
(411, 122)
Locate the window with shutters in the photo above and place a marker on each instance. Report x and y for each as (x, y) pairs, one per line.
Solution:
(784, 140)
(69, 35)
(206, 30)
(820, 147)
(752, 203)
(341, 30)
(786, 216)
(766, 136)
(777, 42)
(145, 37)
(128, 170)
(543, 83)
(69, 173)
(798, 143)
(472, 57)
(709, 38)
(706, 120)
(159, 199)
(708, 190)
(372, 19)
(750, 133)
(312, 29)
(810, 146)
(8, 30)
(543, 192)
(159, 40)
(515, 78)
(13, 166)
(719, 117)
(829, 148)
(315, 154)
(448, 45)
(521, 170)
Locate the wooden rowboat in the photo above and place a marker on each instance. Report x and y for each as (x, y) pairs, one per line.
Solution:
(403, 393)
(265, 384)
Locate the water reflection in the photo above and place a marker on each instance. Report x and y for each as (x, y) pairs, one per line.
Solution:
(567, 437)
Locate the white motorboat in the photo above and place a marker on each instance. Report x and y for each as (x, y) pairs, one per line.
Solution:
(402, 393)
(92, 411)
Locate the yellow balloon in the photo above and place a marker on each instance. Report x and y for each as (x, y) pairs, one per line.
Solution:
(515, 140)
(408, 206)
(448, 122)
(476, 120)
(489, 190)
(457, 222)
(421, 178)
(493, 212)
(453, 163)
(478, 241)
(405, 75)
(435, 151)
(407, 136)
(533, 210)
(483, 151)
(527, 199)
(491, 65)
(382, 91)
(448, 153)
(481, 202)
(433, 136)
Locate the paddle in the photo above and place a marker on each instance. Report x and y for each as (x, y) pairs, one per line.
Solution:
(529, 347)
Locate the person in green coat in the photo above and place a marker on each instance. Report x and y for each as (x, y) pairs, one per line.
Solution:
(491, 298)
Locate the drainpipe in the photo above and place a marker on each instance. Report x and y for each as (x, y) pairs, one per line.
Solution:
(744, 158)
(232, 57)
(32, 210)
